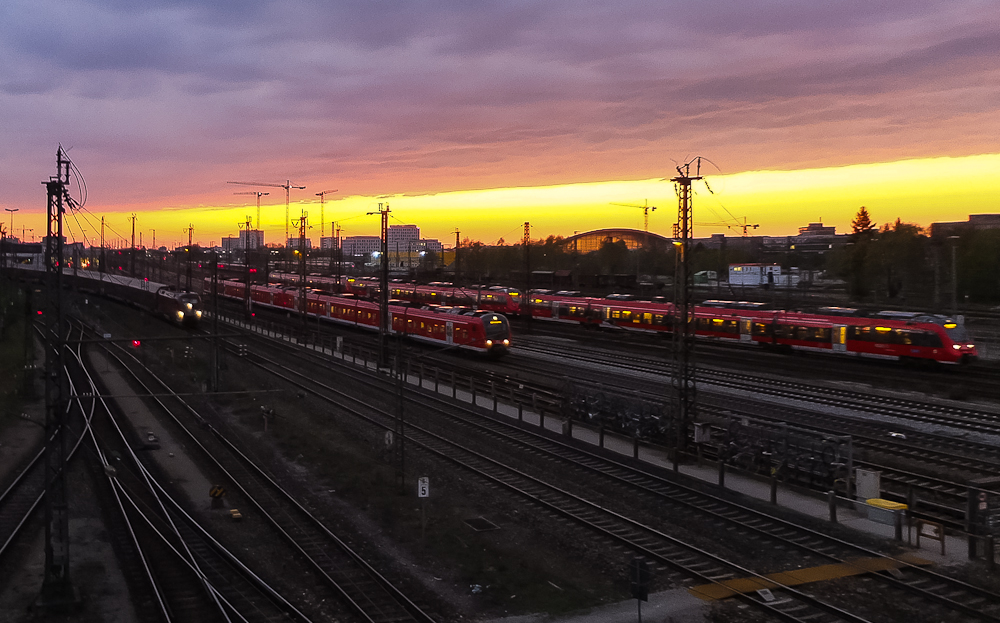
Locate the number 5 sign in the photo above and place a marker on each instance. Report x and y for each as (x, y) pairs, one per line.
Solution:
(423, 487)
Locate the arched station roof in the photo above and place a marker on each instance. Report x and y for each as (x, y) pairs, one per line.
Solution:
(634, 239)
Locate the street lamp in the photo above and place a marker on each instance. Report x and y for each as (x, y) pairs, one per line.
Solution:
(12, 211)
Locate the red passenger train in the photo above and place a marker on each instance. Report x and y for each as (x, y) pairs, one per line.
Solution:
(480, 331)
(495, 298)
(844, 331)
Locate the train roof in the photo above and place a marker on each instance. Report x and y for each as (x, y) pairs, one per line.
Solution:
(733, 304)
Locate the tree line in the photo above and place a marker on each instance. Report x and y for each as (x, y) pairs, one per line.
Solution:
(895, 263)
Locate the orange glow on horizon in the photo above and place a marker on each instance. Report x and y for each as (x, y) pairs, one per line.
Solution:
(919, 191)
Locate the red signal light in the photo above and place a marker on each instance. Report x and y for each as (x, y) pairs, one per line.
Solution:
(253, 270)
(39, 312)
(136, 343)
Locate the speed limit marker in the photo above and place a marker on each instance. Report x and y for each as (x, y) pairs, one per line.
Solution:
(423, 487)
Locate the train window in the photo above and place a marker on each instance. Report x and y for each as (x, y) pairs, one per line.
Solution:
(926, 338)
(862, 334)
(761, 328)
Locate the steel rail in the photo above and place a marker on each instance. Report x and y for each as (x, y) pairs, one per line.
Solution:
(357, 592)
(933, 596)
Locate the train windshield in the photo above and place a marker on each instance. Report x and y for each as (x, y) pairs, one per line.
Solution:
(496, 327)
(189, 298)
(957, 332)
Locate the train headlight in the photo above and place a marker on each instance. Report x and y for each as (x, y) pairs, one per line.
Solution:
(506, 342)
(189, 305)
(180, 314)
(970, 345)
(489, 343)
(198, 313)
(956, 346)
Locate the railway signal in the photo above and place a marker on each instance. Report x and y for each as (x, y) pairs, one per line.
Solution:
(639, 582)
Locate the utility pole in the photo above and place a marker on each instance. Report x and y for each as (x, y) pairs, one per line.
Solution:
(259, 195)
(103, 254)
(457, 244)
(246, 268)
(340, 256)
(215, 320)
(132, 264)
(526, 299)
(684, 323)
(954, 276)
(12, 211)
(58, 593)
(301, 223)
(383, 325)
(322, 202)
(190, 233)
(287, 186)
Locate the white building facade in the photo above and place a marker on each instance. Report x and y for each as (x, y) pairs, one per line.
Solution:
(760, 275)
(361, 245)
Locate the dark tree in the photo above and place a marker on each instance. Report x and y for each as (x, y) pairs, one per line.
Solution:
(862, 223)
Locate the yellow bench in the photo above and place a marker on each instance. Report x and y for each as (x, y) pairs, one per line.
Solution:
(884, 511)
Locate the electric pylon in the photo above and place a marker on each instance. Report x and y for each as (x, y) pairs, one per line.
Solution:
(684, 322)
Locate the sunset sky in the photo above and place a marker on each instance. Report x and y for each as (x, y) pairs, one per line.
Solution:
(479, 116)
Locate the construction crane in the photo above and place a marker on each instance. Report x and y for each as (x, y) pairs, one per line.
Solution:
(744, 226)
(287, 186)
(259, 195)
(322, 201)
(645, 207)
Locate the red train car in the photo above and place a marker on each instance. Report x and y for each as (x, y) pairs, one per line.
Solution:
(502, 300)
(480, 331)
(886, 335)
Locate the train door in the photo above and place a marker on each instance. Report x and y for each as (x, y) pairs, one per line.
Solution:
(839, 334)
(746, 324)
(555, 309)
(449, 332)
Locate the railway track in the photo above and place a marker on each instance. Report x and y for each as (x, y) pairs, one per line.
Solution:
(942, 498)
(924, 467)
(980, 380)
(349, 577)
(194, 577)
(949, 596)
(973, 420)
